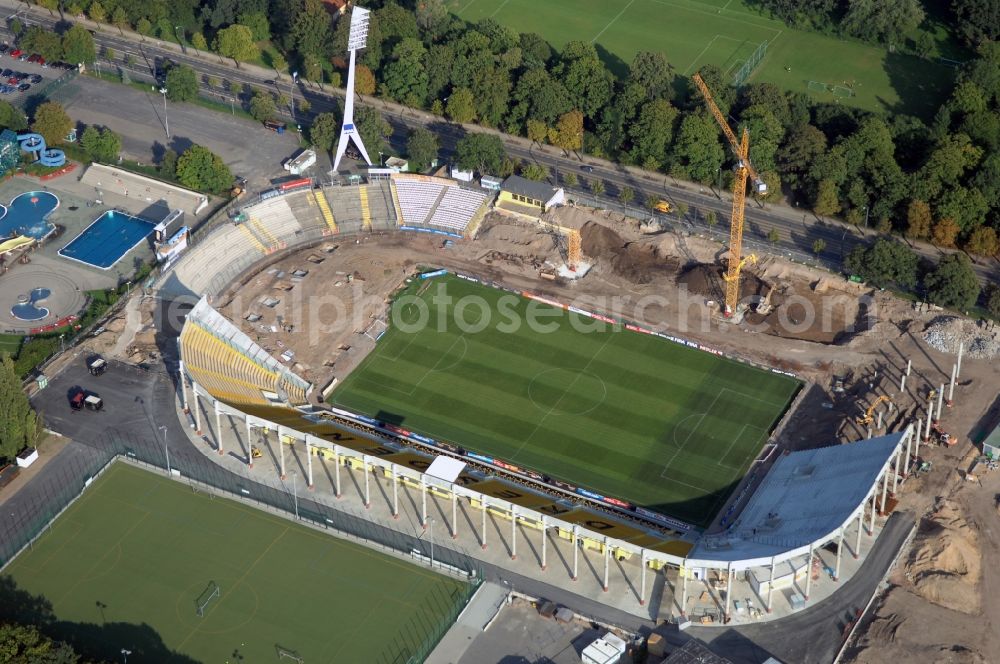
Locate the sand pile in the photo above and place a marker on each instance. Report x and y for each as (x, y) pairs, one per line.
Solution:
(526, 240)
(944, 564)
(706, 280)
(636, 262)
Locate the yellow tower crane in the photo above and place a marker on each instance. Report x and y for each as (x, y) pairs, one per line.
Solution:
(741, 146)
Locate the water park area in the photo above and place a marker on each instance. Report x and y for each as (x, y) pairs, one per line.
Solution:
(27, 216)
(108, 239)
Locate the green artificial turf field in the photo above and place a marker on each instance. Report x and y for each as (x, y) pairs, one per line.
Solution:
(628, 415)
(137, 550)
(693, 33)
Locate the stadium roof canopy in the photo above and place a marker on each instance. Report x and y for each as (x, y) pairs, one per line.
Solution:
(804, 498)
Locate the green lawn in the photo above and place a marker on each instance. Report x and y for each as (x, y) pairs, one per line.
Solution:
(138, 549)
(693, 33)
(625, 414)
(10, 343)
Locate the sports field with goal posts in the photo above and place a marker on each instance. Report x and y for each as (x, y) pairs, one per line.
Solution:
(624, 414)
(727, 33)
(143, 563)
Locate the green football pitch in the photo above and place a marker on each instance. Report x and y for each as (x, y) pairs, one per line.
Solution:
(625, 414)
(694, 33)
(140, 549)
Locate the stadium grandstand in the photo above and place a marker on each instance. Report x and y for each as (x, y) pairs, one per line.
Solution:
(232, 367)
(441, 204)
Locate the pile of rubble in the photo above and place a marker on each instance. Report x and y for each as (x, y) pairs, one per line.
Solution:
(980, 338)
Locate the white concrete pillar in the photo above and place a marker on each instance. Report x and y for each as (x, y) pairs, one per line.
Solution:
(423, 503)
(902, 383)
(513, 533)
(218, 428)
(958, 364)
(878, 426)
(309, 463)
(545, 538)
(916, 439)
(840, 551)
(184, 388)
(395, 493)
(683, 573)
(336, 471)
(809, 572)
(249, 443)
(197, 412)
(885, 486)
(607, 564)
(368, 495)
(576, 552)
(930, 413)
(909, 365)
(483, 538)
(770, 587)
(729, 591)
(906, 456)
(454, 514)
(642, 578)
(857, 542)
(951, 386)
(940, 400)
(896, 468)
(871, 521)
(281, 453)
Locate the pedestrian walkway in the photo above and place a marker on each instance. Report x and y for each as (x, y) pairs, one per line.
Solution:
(481, 610)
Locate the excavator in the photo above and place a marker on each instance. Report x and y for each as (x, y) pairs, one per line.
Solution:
(869, 416)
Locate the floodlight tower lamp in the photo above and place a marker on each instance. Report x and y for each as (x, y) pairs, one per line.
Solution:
(357, 38)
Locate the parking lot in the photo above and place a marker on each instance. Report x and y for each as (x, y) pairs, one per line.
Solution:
(22, 74)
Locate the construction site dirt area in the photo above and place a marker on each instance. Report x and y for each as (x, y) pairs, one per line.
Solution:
(872, 363)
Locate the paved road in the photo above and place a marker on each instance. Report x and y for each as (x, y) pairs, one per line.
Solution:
(796, 228)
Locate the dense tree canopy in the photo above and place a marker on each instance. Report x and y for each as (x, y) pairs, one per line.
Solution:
(199, 168)
(19, 427)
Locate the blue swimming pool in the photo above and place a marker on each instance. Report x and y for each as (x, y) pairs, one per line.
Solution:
(26, 215)
(108, 239)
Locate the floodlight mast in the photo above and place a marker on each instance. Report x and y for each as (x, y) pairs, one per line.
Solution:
(357, 38)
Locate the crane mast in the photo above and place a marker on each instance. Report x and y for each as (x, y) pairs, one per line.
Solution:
(744, 170)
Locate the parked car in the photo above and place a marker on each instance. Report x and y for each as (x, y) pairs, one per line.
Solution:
(24, 87)
(16, 53)
(4, 48)
(34, 57)
(36, 78)
(587, 169)
(6, 73)
(12, 80)
(23, 57)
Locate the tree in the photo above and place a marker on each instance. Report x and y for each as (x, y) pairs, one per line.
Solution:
(257, 22)
(953, 283)
(404, 78)
(983, 241)
(533, 171)
(422, 147)
(324, 130)
(24, 643)
(799, 151)
(568, 132)
(819, 246)
(313, 69)
(109, 54)
(213, 82)
(977, 21)
(945, 233)
(168, 165)
(19, 426)
(199, 42)
(431, 15)
(144, 27)
(918, 220)
(586, 78)
(16, 27)
(119, 19)
(652, 134)
(537, 131)
(262, 106)
(697, 153)
(200, 169)
(303, 106)
(41, 41)
(652, 71)
(12, 118)
(182, 83)
(773, 236)
(570, 179)
(102, 145)
(236, 42)
(884, 263)
(309, 32)
(372, 127)
(461, 106)
(78, 45)
(626, 195)
(711, 218)
(278, 63)
(52, 122)
(97, 12)
(481, 152)
(993, 300)
(364, 80)
(827, 199)
(597, 186)
(885, 22)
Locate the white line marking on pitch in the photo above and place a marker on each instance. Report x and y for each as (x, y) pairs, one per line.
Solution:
(619, 15)
(499, 7)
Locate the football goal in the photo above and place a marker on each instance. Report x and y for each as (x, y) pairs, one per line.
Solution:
(212, 591)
